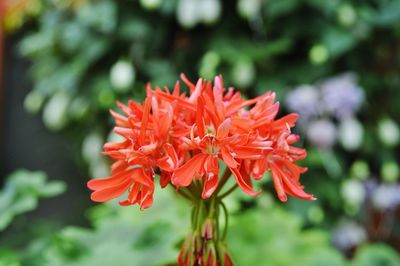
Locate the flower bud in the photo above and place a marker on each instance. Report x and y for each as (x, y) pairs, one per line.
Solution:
(227, 259)
(211, 256)
(197, 243)
(208, 229)
(185, 254)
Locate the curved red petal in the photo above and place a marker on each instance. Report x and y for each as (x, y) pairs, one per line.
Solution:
(277, 180)
(111, 192)
(183, 175)
(111, 181)
(223, 129)
(241, 182)
(228, 158)
(211, 177)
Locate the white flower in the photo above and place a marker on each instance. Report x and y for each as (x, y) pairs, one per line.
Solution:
(388, 132)
(151, 4)
(249, 8)
(351, 133)
(55, 111)
(122, 76)
(92, 146)
(243, 73)
(210, 10)
(187, 13)
(99, 167)
(33, 102)
(353, 192)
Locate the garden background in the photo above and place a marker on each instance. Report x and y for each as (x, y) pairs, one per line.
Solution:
(66, 62)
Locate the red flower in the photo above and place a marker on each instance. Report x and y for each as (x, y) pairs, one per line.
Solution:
(183, 138)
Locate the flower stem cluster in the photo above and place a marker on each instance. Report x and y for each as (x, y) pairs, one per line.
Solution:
(205, 243)
(181, 140)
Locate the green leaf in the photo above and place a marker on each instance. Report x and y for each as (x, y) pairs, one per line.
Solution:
(388, 13)
(376, 255)
(101, 16)
(277, 239)
(22, 192)
(9, 258)
(276, 8)
(121, 236)
(339, 41)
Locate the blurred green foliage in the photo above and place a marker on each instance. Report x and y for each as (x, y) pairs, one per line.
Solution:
(86, 54)
(120, 236)
(266, 235)
(22, 191)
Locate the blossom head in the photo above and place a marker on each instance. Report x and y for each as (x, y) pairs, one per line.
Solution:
(182, 137)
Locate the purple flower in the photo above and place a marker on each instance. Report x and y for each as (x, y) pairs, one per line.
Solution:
(386, 197)
(303, 100)
(322, 133)
(341, 95)
(348, 234)
(370, 186)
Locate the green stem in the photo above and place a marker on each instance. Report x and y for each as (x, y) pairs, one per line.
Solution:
(201, 217)
(226, 219)
(186, 194)
(217, 233)
(229, 191)
(198, 186)
(212, 207)
(196, 216)
(193, 190)
(224, 179)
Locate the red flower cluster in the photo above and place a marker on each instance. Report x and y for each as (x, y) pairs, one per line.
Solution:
(183, 137)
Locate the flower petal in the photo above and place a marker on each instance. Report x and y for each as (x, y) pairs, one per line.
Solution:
(241, 182)
(197, 91)
(146, 199)
(211, 177)
(276, 178)
(223, 129)
(291, 185)
(133, 196)
(145, 119)
(114, 180)
(228, 158)
(165, 177)
(170, 161)
(111, 192)
(200, 117)
(184, 174)
(187, 82)
(259, 168)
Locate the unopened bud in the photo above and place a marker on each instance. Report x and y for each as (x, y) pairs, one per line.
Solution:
(185, 256)
(197, 243)
(225, 258)
(211, 255)
(228, 260)
(208, 229)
